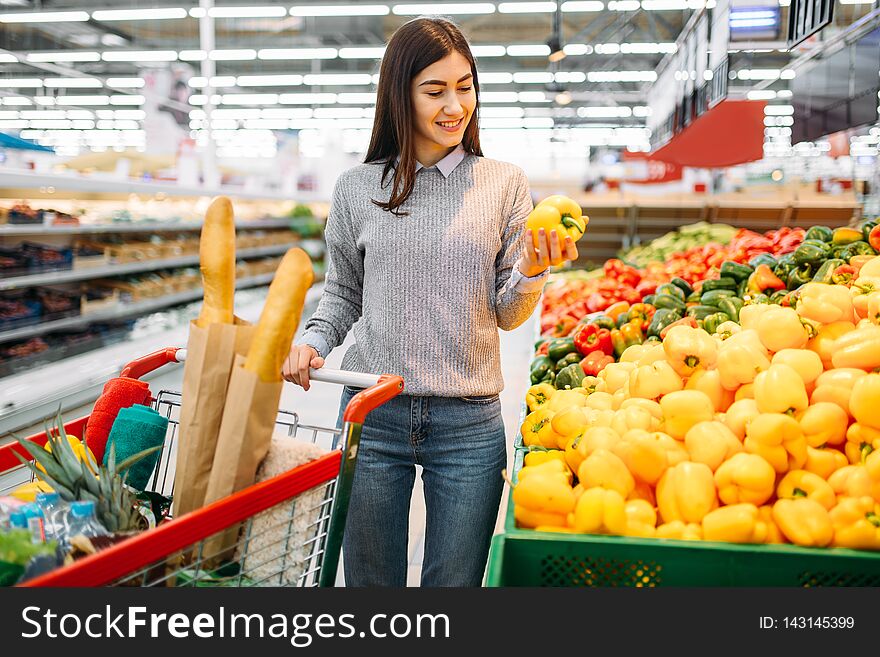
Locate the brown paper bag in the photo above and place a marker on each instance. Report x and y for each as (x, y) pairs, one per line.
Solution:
(245, 435)
(210, 356)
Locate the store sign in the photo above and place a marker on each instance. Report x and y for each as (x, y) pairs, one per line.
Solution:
(806, 17)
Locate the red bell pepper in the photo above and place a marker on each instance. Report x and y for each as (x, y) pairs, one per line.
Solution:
(845, 274)
(874, 238)
(646, 287)
(591, 337)
(564, 326)
(595, 362)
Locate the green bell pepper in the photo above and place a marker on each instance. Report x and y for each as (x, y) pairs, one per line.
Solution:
(799, 276)
(568, 359)
(648, 299)
(731, 306)
(671, 290)
(810, 254)
(763, 259)
(778, 296)
(821, 233)
(867, 226)
(712, 297)
(823, 274)
(723, 283)
(684, 285)
(693, 297)
(662, 318)
(560, 347)
(539, 368)
(735, 270)
(743, 288)
(857, 248)
(700, 312)
(603, 321)
(758, 298)
(713, 321)
(570, 377)
(669, 301)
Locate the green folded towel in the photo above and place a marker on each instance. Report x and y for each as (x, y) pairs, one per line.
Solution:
(135, 429)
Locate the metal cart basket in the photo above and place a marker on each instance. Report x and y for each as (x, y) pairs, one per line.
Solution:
(291, 525)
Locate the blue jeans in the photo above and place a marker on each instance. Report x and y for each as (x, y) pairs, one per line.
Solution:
(460, 444)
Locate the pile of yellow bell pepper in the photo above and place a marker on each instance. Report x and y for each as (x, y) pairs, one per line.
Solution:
(765, 434)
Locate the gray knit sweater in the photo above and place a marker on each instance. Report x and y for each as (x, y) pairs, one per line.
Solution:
(425, 294)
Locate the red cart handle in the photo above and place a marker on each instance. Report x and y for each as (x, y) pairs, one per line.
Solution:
(367, 400)
(146, 364)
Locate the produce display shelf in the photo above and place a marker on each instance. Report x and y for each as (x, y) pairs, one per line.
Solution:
(14, 230)
(70, 275)
(121, 311)
(15, 184)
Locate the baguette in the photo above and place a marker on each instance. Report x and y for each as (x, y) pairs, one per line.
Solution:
(280, 317)
(217, 263)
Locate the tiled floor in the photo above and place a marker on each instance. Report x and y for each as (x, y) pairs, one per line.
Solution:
(319, 406)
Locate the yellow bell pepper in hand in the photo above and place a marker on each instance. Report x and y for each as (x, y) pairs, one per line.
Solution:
(616, 375)
(738, 523)
(805, 362)
(825, 303)
(861, 441)
(859, 349)
(688, 349)
(654, 380)
(605, 469)
(538, 395)
(739, 415)
(779, 439)
(864, 403)
(537, 430)
(854, 481)
(686, 492)
(781, 328)
(641, 519)
(557, 213)
(823, 342)
(741, 360)
(824, 461)
(683, 409)
(803, 522)
(856, 522)
(681, 531)
(824, 423)
(745, 478)
(711, 443)
(599, 511)
(765, 513)
(539, 455)
(780, 390)
(709, 382)
(800, 483)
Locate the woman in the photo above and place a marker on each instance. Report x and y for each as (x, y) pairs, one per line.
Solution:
(428, 258)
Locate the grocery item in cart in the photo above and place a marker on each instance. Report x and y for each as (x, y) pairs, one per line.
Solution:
(215, 339)
(255, 385)
(138, 428)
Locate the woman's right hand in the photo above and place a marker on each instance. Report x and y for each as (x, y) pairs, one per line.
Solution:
(299, 360)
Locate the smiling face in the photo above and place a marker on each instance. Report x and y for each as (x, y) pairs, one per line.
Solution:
(444, 101)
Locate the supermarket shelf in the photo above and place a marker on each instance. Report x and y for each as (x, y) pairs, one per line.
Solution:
(121, 311)
(14, 230)
(27, 398)
(71, 275)
(12, 183)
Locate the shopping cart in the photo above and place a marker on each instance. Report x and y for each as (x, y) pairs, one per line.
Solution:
(291, 525)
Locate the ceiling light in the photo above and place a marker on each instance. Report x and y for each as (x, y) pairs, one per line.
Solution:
(577, 49)
(496, 78)
(126, 83)
(44, 100)
(193, 55)
(16, 101)
(245, 54)
(591, 5)
(624, 5)
(21, 83)
(532, 97)
(621, 112)
(337, 79)
(127, 99)
(570, 76)
(73, 83)
(340, 10)
(307, 99)
(357, 98)
(160, 13)
(622, 76)
(502, 112)
(498, 97)
(362, 53)
(445, 8)
(536, 50)
(246, 12)
(249, 99)
(298, 53)
(269, 80)
(761, 94)
(533, 77)
(82, 100)
(8, 58)
(778, 110)
(527, 7)
(57, 57)
(488, 51)
(46, 17)
(139, 55)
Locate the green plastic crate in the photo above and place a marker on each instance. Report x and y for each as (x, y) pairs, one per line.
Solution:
(524, 557)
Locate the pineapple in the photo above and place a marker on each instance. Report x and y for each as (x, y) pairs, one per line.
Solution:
(75, 480)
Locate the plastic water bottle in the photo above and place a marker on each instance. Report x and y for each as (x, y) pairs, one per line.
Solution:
(55, 513)
(17, 520)
(36, 523)
(82, 521)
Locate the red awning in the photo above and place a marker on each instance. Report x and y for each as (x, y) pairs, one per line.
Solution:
(730, 133)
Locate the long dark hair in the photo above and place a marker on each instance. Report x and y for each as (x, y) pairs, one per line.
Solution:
(412, 48)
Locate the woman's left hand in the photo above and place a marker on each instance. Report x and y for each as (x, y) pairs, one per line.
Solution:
(547, 254)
